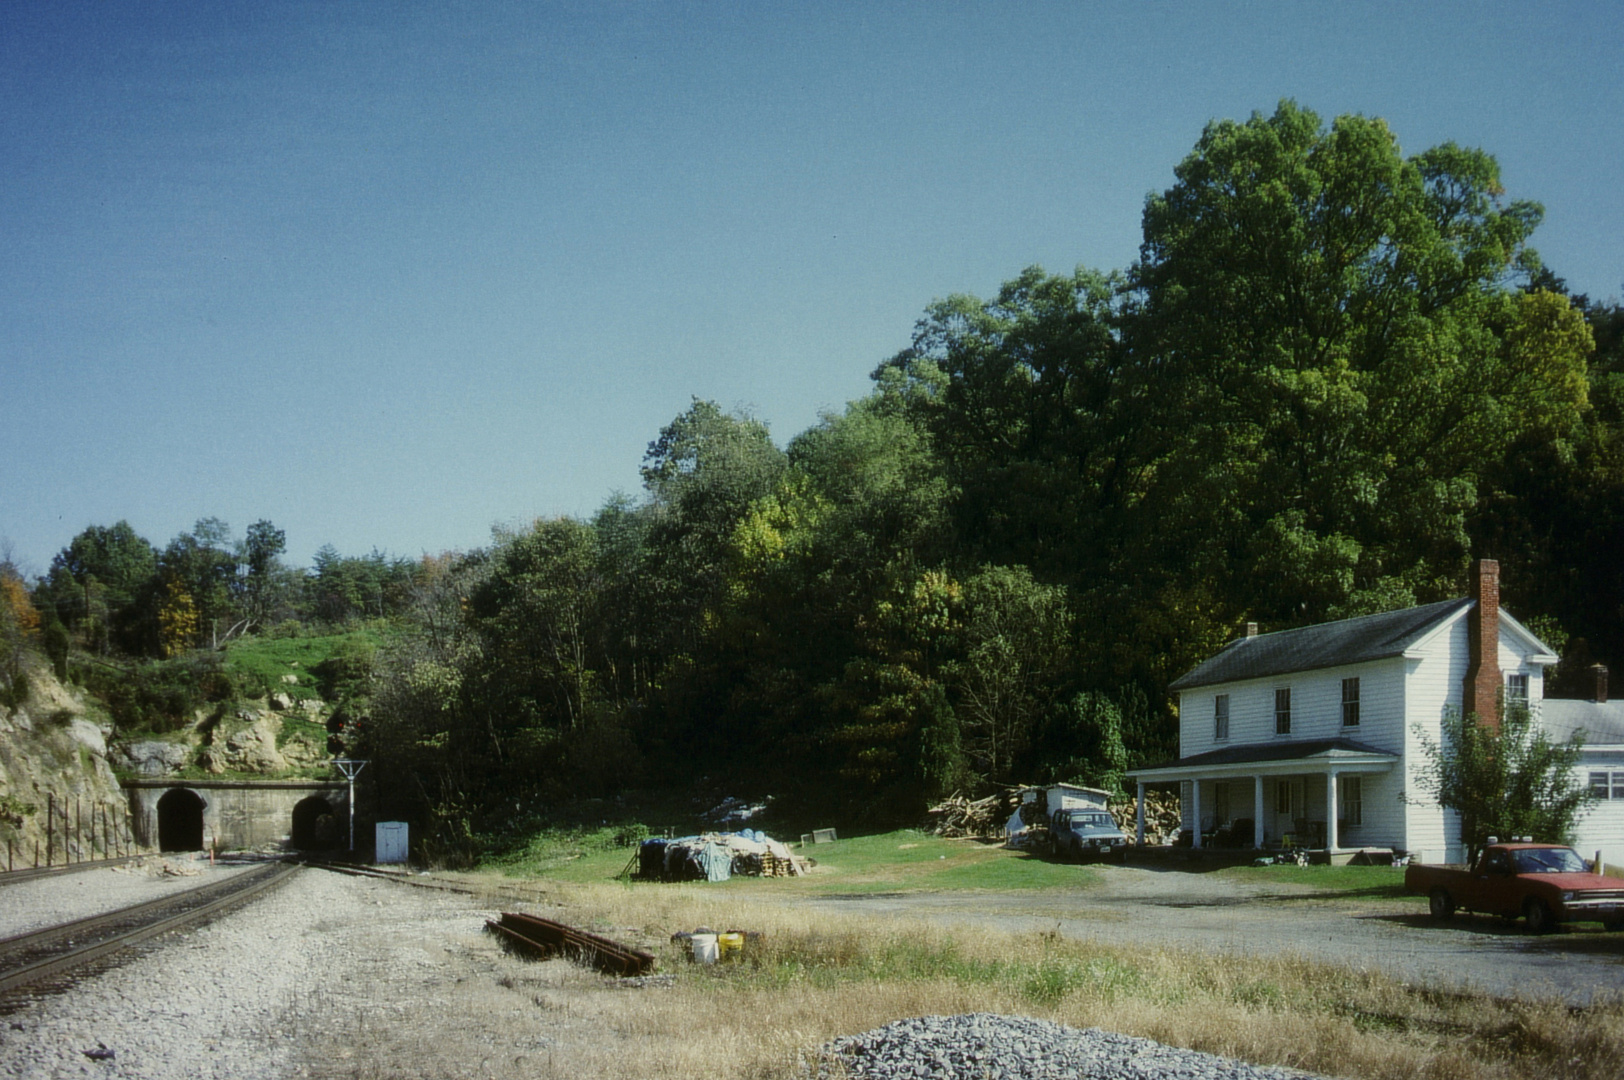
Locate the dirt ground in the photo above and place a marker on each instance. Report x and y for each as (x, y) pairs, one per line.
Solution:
(1215, 913)
(418, 989)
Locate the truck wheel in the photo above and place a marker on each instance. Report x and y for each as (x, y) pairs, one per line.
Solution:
(1538, 916)
(1440, 905)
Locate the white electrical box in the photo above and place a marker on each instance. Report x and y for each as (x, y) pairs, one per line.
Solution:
(392, 842)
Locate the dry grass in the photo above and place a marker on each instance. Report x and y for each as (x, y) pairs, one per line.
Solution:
(815, 976)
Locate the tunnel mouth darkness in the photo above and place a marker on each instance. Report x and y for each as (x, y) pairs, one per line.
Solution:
(180, 821)
(314, 825)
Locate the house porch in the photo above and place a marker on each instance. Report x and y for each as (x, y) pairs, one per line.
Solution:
(1330, 796)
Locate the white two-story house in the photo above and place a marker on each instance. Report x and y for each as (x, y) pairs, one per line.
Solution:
(1310, 736)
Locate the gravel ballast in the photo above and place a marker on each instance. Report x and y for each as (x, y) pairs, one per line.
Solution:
(227, 1000)
(985, 1045)
(47, 901)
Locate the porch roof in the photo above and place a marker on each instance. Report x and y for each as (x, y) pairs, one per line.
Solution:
(1274, 757)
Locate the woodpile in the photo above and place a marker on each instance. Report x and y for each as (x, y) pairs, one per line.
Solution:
(957, 815)
(1162, 816)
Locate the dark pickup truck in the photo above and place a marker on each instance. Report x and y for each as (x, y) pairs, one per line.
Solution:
(1544, 883)
(1086, 832)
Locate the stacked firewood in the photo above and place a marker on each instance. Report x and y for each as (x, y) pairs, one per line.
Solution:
(957, 815)
(1162, 816)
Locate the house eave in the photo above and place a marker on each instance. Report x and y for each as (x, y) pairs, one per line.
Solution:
(1372, 763)
(1273, 759)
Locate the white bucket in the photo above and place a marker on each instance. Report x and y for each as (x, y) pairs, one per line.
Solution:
(704, 947)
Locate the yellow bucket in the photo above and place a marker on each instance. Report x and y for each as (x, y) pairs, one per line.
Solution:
(729, 944)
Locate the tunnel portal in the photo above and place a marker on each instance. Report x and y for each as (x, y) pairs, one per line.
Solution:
(180, 821)
(315, 826)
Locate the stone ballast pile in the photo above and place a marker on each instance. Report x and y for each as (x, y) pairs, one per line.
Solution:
(991, 1047)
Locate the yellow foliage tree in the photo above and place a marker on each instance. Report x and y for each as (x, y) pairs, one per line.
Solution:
(17, 613)
(177, 619)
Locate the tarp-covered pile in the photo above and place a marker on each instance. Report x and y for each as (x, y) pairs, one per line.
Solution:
(716, 857)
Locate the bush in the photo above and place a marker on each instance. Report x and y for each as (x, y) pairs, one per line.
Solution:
(159, 696)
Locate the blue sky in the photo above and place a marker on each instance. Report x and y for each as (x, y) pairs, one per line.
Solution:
(389, 274)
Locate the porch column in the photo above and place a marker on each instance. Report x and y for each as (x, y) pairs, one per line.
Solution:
(1139, 817)
(1195, 813)
(1257, 811)
(1330, 809)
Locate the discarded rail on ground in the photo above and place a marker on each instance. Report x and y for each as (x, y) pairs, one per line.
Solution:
(39, 956)
(548, 938)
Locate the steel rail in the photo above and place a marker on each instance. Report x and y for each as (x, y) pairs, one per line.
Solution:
(31, 939)
(237, 891)
(34, 873)
(418, 882)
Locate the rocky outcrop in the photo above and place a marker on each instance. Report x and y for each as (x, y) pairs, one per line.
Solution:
(150, 757)
(53, 752)
(252, 740)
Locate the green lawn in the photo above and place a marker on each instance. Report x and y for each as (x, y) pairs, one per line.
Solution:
(1370, 882)
(267, 660)
(908, 860)
(901, 861)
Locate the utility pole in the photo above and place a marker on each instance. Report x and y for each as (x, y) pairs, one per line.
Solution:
(351, 768)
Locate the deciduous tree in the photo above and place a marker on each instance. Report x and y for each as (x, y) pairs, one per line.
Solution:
(1507, 780)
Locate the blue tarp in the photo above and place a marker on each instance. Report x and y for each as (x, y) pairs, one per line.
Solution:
(717, 862)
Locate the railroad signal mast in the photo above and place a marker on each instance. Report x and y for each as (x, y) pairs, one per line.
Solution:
(351, 768)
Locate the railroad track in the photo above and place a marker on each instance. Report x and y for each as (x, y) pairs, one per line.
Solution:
(33, 873)
(44, 961)
(533, 893)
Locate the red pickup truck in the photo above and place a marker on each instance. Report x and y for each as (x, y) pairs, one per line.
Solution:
(1544, 883)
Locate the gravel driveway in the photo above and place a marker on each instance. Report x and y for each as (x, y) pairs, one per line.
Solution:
(1217, 913)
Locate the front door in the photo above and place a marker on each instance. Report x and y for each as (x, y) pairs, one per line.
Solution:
(1288, 809)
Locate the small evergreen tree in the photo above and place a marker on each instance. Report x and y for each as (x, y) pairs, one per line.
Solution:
(1506, 781)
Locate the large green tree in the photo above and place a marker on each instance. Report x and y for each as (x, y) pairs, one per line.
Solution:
(702, 473)
(95, 582)
(1327, 355)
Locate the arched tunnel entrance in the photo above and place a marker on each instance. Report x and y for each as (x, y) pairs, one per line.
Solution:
(315, 827)
(180, 821)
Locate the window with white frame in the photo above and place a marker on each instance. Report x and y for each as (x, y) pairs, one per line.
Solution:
(1607, 783)
(1220, 716)
(1517, 690)
(1350, 702)
(1282, 710)
(1350, 801)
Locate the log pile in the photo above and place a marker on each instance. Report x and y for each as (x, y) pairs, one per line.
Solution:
(957, 816)
(1162, 820)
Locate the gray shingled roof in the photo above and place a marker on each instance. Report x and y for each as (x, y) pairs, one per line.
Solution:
(1348, 641)
(1602, 723)
(1270, 751)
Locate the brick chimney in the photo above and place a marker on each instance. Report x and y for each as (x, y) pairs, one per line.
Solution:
(1482, 689)
(1599, 672)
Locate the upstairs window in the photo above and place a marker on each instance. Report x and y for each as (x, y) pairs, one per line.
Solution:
(1282, 711)
(1350, 702)
(1516, 690)
(1598, 784)
(1220, 716)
